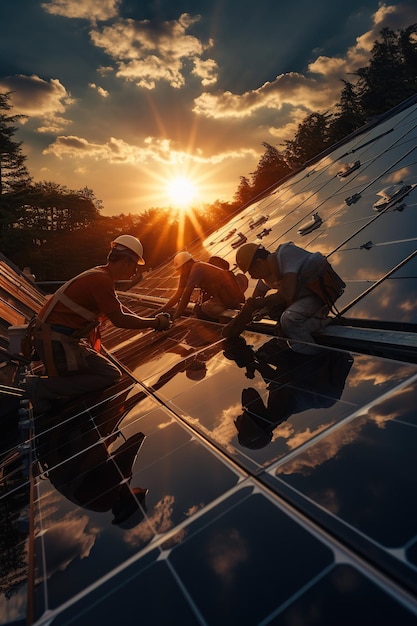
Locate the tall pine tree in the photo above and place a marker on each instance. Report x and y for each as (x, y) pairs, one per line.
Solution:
(14, 177)
(349, 115)
(382, 84)
(271, 168)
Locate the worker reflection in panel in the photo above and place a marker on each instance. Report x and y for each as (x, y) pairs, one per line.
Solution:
(195, 344)
(294, 384)
(91, 471)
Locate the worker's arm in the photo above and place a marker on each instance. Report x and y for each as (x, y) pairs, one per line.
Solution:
(172, 301)
(129, 320)
(185, 298)
(261, 289)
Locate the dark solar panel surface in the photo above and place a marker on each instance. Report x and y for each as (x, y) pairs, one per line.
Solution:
(233, 482)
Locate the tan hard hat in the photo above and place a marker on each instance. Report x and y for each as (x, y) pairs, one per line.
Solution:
(245, 254)
(181, 258)
(131, 243)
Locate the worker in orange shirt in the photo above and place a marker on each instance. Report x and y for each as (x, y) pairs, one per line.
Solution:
(60, 330)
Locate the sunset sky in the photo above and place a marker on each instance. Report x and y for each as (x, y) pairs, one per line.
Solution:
(135, 98)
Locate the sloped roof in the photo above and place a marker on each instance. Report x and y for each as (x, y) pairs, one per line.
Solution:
(235, 482)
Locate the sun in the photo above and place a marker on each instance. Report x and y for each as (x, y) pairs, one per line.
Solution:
(181, 192)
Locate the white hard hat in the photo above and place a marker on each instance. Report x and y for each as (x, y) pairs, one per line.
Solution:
(181, 258)
(131, 243)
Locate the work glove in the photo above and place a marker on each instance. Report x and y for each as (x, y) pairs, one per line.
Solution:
(164, 321)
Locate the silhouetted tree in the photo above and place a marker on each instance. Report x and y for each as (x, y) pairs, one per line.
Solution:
(271, 168)
(310, 139)
(408, 46)
(39, 236)
(14, 176)
(244, 193)
(209, 217)
(59, 232)
(349, 116)
(390, 77)
(51, 207)
(383, 83)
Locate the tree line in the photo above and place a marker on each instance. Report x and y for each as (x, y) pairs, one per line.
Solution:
(42, 223)
(388, 79)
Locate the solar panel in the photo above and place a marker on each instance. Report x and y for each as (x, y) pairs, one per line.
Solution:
(235, 481)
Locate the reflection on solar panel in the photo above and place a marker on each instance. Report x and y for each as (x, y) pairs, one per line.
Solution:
(235, 481)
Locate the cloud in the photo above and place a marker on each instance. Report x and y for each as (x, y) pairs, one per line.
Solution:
(288, 129)
(118, 151)
(380, 413)
(291, 88)
(159, 522)
(206, 70)
(68, 535)
(147, 52)
(211, 125)
(35, 97)
(227, 551)
(102, 92)
(319, 89)
(393, 17)
(92, 10)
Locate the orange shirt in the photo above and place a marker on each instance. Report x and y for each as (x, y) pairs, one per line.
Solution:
(94, 292)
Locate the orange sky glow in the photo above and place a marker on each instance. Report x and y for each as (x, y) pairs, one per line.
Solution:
(125, 101)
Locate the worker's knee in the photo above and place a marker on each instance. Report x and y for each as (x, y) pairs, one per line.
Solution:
(291, 320)
(100, 366)
(112, 374)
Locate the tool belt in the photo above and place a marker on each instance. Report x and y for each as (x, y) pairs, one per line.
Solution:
(46, 334)
(327, 284)
(69, 340)
(67, 337)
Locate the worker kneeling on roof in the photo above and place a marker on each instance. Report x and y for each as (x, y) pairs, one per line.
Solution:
(220, 289)
(306, 289)
(71, 315)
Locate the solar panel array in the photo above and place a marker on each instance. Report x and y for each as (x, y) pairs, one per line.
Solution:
(374, 250)
(235, 481)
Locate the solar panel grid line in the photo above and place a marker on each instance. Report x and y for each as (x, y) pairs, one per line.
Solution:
(360, 229)
(375, 133)
(301, 218)
(391, 563)
(389, 168)
(371, 244)
(378, 282)
(31, 533)
(157, 543)
(386, 149)
(196, 417)
(53, 612)
(341, 553)
(358, 410)
(148, 390)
